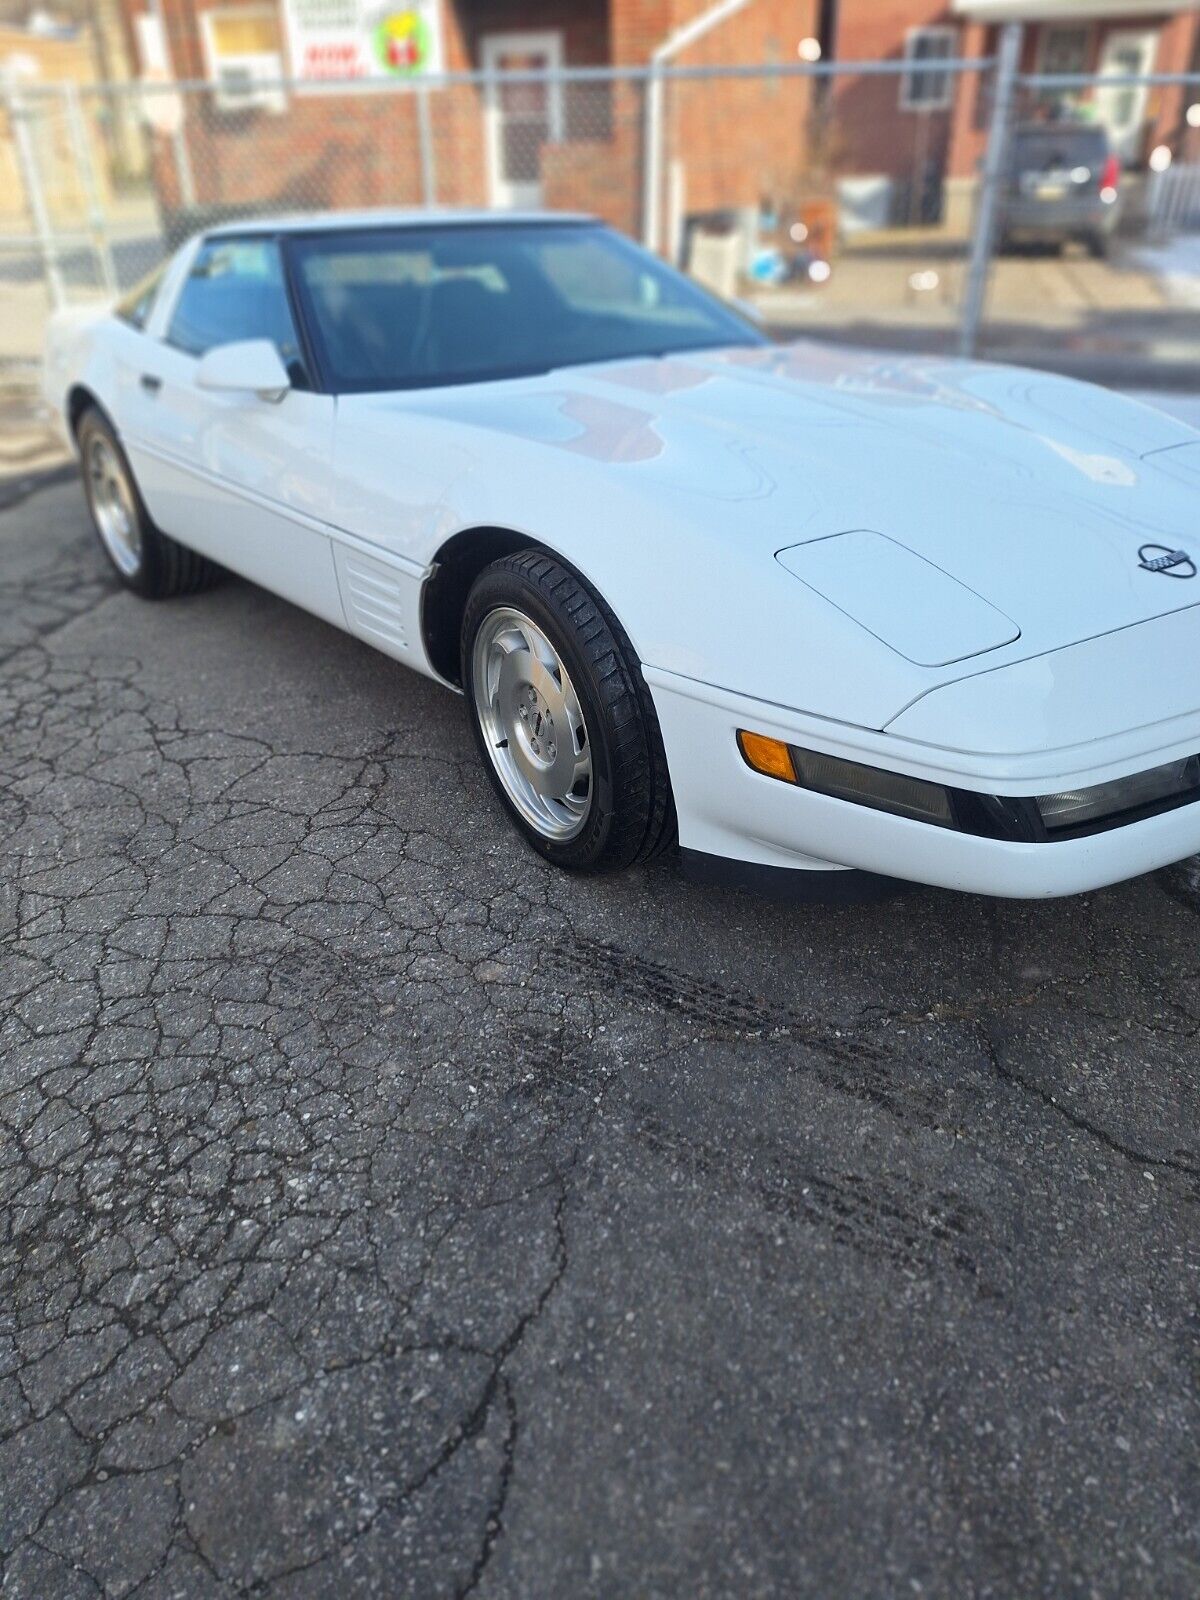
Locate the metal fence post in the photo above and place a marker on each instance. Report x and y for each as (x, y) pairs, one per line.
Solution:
(652, 139)
(1008, 58)
(183, 160)
(31, 179)
(428, 157)
(86, 168)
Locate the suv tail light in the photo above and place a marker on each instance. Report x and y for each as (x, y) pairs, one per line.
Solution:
(1110, 176)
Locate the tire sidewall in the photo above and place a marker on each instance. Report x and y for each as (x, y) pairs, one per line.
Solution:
(493, 590)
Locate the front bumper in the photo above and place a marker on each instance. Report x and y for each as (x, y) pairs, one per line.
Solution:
(727, 810)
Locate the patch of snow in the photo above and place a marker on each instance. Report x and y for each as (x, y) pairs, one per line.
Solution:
(1176, 263)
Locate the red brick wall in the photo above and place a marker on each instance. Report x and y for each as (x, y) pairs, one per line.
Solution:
(869, 132)
(735, 141)
(637, 28)
(743, 140)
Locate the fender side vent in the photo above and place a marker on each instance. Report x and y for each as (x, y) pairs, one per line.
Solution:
(374, 597)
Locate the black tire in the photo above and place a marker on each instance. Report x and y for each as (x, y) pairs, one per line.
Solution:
(631, 816)
(1097, 244)
(163, 568)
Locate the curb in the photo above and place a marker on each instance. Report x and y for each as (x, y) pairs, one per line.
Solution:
(18, 488)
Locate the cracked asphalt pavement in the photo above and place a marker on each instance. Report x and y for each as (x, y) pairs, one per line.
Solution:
(384, 1214)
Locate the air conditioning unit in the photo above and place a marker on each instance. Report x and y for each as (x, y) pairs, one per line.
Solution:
(249, 83)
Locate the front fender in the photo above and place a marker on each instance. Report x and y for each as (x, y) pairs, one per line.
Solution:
(694, 599)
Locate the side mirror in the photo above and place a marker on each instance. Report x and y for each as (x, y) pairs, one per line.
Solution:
(249, 366)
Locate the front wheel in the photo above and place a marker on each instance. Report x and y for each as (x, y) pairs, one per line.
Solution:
(563, 718)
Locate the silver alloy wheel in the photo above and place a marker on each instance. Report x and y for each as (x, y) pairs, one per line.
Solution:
(532, 724)
(113, 506)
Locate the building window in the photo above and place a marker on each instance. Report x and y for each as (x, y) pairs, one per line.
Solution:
(923, 87)
(243, 53)
(1062, 50)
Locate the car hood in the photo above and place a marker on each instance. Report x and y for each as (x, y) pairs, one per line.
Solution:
(1005, 507)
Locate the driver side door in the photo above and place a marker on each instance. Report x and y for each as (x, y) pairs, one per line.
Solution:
(242, 479)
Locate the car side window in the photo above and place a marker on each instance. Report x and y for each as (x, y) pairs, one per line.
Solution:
(235, 290)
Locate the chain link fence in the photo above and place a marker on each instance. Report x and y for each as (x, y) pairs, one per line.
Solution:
(940, 206)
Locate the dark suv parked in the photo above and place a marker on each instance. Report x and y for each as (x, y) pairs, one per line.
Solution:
(1061, 185)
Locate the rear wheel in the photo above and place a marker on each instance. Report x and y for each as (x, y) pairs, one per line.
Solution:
(563, 718)
(145, 559)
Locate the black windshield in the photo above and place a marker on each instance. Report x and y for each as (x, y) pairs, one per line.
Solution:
(407, 307)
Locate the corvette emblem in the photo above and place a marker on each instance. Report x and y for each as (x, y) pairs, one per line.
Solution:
(1161, 558)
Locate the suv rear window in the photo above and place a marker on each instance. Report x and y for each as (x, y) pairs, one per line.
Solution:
(1058, 149)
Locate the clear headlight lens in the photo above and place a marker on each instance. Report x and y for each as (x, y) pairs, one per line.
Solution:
(1070, 808)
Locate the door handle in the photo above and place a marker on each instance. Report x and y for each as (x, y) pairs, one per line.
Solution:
(150, 383)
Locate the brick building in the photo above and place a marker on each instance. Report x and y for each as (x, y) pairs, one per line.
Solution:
(917, 137)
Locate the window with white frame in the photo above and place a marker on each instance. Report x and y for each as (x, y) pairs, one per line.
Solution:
(923, 87)
(243, 52)
(1063, 49)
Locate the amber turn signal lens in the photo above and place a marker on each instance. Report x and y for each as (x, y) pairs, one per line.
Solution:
(768, 756)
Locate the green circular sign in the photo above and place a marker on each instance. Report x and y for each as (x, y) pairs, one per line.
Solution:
(402, 42)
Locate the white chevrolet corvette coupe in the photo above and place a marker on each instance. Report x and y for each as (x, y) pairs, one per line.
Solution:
(805, 610)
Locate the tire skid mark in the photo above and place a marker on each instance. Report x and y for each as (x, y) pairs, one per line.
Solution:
(864, 1068)
(660, 987)
(922, 1231)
